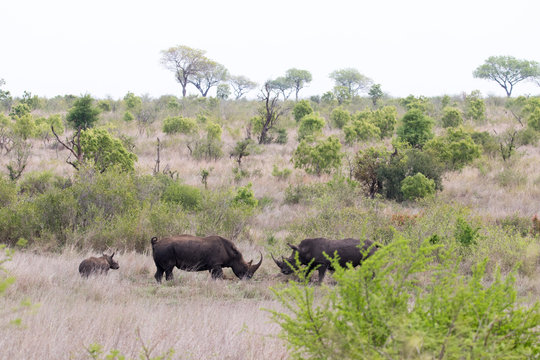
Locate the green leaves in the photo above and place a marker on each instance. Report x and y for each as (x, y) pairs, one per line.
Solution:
(104, 151)
(83, 114)
(409, 301)
(321, 157)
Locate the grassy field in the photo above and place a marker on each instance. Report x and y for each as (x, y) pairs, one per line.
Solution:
(204, 319)
(196, 316)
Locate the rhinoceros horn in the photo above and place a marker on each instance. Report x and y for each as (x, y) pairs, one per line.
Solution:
(253, 268)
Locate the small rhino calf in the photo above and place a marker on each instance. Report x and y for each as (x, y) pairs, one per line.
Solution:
(97, 265)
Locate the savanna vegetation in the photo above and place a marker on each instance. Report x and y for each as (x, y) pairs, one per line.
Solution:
(448, 186)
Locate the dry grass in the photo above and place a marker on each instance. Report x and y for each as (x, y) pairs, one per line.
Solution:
(196, 316)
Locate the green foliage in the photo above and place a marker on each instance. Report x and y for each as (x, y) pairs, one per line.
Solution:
(301, 109)
(475, 108)
(350, 81)
(179, 124)
(416, 103)
(321, 157)
(417, 187)
(465, 234)
(132, 102)
(209, 147)
(367, 165)
(25, 126)
(310, 125)
(19, 110)
(340, 117)
(451, 117)
(361, 128)
(532, 109)
(387, 309)
(245, 197)
(456, 149)
(488, 142)
(415, 128)
(83, 114)
(281, 174)
(105, 151)
(8, 192)
(104, 105)
(43, 125)
(189, 197)
(223, 91)
(128, 116)
(375, 93)
(241, 150)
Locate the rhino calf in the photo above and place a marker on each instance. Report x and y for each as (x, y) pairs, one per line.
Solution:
(97, 265)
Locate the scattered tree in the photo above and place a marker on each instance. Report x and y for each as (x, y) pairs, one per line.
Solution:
(507, 71)
(184, 62)
(241, 85)
(375, 93)
(298, 78)
(310, 125)
(282, 85)
(270, 112)
(301, 109)
(319, 157)
(351, 79)
(208, 74)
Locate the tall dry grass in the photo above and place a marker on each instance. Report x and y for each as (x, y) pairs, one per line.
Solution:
(197, 317)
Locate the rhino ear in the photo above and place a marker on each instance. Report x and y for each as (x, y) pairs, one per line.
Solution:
(292, 247)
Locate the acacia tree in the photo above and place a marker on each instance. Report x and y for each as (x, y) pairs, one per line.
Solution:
(81, 116)
(241, 85)
(298, 79)
(270, 112)
(184, 62)
(351, 79)
(209, 74)
(507, 71)
(282, 85)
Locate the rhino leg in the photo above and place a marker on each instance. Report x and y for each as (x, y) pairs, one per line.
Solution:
(322, 271)
(217, 272)
(169, 274)
(159, 274)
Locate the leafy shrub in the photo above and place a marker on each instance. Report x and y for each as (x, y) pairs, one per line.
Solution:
(383, 310)
(245, 197)
(128, 116)
(8, 192)
(104, 151)
(417, 187)
(39, 182)
(420, 103)
(281, 136)
(209, 147)
(281, 174)
(489, 143)
(340, 117)
(451, 117)
(475, 108)
(316, 158)
(465, 234)
(456, 149)
(301, 109)
(310, 125)
(188, 197)
(415, 128)
(179, 124)
(361, 129)
(527, 136)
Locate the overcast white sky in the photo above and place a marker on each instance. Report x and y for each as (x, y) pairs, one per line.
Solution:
(110, 47)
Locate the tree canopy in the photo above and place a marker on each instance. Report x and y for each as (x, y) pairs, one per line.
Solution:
(184, 62)
(351, 79)
(507, 71)
(298, 79)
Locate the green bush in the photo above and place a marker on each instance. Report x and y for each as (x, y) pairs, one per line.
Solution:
(128, 116)
(301, 109)
(451, 117)
(417, 187)
(316, 158)
(409, 301)
(104, 151)
(416, 128)
(179, 124)
(281, 174)
(455, 149)
(245, 197)
(8, 192)
(310, 125)
(340, 117)
(188, 197)
(39, 182)
(475, 108)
